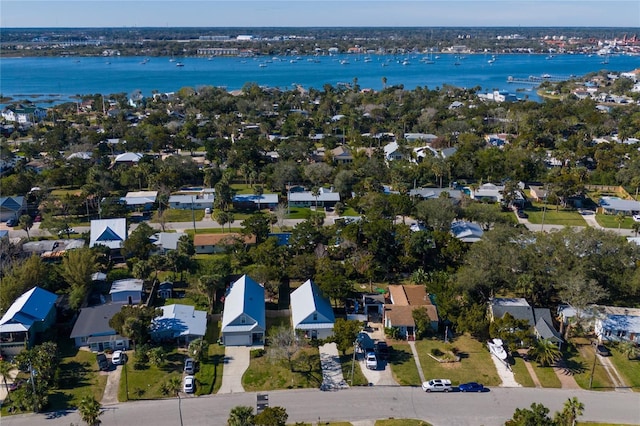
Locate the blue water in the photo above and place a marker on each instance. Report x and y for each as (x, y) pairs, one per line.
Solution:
(57, 79)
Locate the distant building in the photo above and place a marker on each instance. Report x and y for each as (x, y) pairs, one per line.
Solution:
(108, 232)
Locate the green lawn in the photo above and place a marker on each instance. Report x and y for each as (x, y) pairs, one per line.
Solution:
(610, 221)
(629, 369)
(146, 383)
(346, 361)
(79, 377)
(580, 354)
(403, 366)
(553, 217)
(401, 422)
(521, 373)
(266, 374)
(180, 215)
(475, 365)
(547, 376)
(209, 374)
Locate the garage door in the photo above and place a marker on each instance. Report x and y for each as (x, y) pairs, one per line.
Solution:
(237, 339)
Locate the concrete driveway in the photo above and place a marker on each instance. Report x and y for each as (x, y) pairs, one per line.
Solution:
(382, 376)
(236, 362)
(332, 377)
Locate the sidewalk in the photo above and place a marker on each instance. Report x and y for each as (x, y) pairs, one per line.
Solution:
(414, 351)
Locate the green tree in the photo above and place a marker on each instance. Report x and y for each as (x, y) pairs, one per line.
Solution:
(240, 416)
(5, 369)
(571, 410)
(271, 416)
(134, 322)
(628, 349)
(345, 333)
(77, 267)
(538, 415)
(511, 330)
(545, 352)
(257, 224)
(422, 321)
(157, 356)
(90, 410)
(198, 349)
(26, 223)
(138, 244)
(330, 276)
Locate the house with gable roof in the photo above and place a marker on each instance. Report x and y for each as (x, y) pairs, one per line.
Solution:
(92, 329)
(243, 317)
(538, 318)
(311, 312)
(404, 299)
(127, 291)
(108, 232)
(11, 208)
(181, 323)
(31, 314)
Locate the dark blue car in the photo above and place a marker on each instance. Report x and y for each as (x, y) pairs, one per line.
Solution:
(471, 387)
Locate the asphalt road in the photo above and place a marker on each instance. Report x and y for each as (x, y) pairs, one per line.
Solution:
(360, 403)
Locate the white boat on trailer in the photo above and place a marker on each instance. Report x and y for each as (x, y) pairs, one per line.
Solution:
(496, 347)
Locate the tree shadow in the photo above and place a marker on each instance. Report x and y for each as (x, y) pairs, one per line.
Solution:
(398, 356)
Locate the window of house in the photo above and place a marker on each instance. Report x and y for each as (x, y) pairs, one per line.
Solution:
(243, 319)
(315, 317)
(622, 333)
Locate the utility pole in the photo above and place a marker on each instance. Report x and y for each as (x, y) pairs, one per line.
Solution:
(593, 369)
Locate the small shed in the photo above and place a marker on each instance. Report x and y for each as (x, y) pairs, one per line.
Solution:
(126, 291)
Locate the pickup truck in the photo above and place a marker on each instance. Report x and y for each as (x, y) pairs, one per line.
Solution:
(437, 385)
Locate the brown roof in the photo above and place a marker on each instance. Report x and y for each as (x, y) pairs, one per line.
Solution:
(403, 315)
(221, 239)
(414, 295)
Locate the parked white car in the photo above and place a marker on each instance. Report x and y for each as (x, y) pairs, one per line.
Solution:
(189, 384)
(437, 385)
(118, 358)
(636, 217)
(371, 361)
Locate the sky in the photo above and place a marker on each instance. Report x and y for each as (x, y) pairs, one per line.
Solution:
(319, 13)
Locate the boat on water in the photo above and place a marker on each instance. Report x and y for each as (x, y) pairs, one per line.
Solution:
(344, 62)
(496, 347)
(179, 64)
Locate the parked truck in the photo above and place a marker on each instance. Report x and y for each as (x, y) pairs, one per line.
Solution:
(437, 385)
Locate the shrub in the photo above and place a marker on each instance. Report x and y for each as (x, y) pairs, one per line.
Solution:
(257, 353)
(436, 352)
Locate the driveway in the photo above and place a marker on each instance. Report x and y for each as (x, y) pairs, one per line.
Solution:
(505, 373)
(236, 362)
(332, 377)
(110, 395)
(617, 380)
(382, 376)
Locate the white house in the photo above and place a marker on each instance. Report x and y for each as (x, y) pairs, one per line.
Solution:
(23, 114)
(311, 312)
(325, 198)
(187, 202)
(467, 232)
(108, 232)
(181, 323)
(617, 324)
(166, 241)
(140, 199)
(126, 291)
(11, 208)
(243, 318)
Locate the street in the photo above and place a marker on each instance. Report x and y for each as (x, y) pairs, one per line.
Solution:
(360, 403)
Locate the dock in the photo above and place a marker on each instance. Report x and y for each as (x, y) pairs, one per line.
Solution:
(532, 79)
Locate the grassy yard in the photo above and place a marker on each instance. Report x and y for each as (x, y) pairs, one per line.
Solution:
(346, 362)
(403, 366)
(79, 376)
(145, 383)
(475, 365)
(628, 368)
(580, 355)
(180, 215)
(610, 221)
(266, 374)
(521, 373)
(209, 374)
(546, 376)
(553, 217)
(401, 422)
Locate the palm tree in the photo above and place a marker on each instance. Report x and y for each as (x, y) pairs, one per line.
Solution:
(545, 352)
(571, 411)
(90, 410)
(26, 223)
(5, 369)
(629, 349)
(174, 385)
(636, 227)
(619, 220)
(240, 416)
